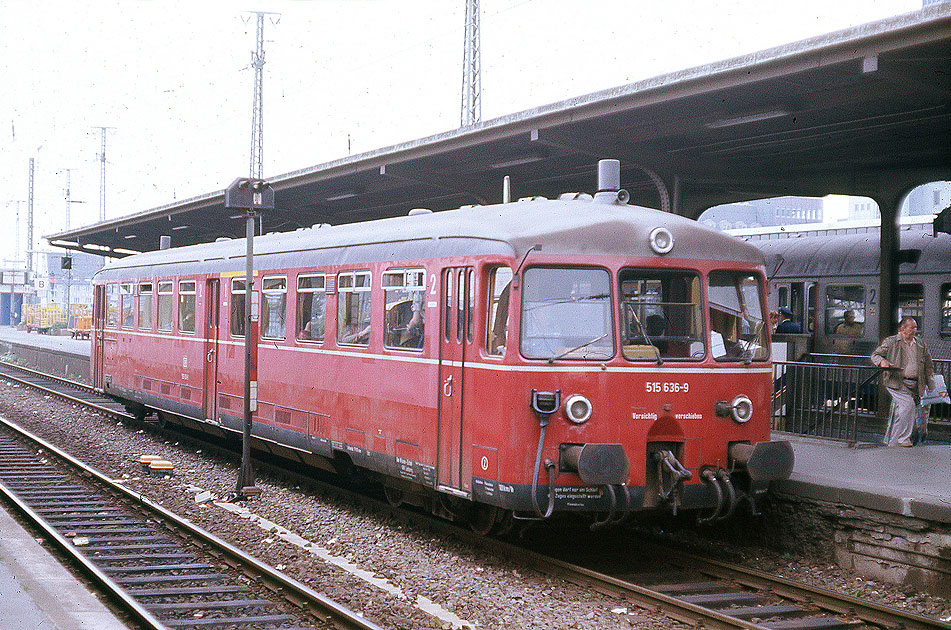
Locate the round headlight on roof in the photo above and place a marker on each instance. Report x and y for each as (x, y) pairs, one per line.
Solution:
(577, 409)
(662, 241)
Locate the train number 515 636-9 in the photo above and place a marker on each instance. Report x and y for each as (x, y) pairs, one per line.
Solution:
(653, 387)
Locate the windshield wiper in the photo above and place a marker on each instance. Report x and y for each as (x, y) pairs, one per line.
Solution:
(640, 327)
(584, 345)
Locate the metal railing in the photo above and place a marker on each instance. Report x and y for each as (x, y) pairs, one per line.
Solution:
(840, 397)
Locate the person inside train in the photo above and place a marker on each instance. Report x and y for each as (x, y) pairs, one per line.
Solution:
(849, 326)
(773, 320)
(787, 326)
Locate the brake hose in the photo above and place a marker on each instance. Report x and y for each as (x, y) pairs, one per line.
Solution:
(550, 466)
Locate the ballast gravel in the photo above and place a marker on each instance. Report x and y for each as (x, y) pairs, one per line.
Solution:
(397, 575)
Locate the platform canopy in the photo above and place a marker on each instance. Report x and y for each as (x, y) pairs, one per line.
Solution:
(862, 111)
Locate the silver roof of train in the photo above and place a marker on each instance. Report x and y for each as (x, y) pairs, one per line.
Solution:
(851, 254)
(581, 226)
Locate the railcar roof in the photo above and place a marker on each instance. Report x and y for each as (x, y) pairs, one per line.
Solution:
(851, 254)
(583, 226)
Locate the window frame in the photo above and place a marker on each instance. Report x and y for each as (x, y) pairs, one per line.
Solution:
(265, 316)
(237, 304)
(151, 303)
(944, 325)
(493, 304)
(411, 280)
(761, 288)
(829, 328)
(113, 305)
(182, 313)
(695, 279)
(302, 292)
(127, 297)
(347, 282)
(170, 296)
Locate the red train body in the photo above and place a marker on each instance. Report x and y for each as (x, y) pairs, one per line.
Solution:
(542, 356)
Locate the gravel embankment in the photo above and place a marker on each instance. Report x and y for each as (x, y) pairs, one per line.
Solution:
(411, 567)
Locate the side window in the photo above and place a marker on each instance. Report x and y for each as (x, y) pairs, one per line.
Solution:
(274, 308)
(186, 306)
(145, 306)
(165, 306)
(353, 308)
(497, 300)
(911, 302)
(112, 305)
(405, 295)
(946, 309)
(127, 305)
(238, 319)
(311, 307)
(845, 310)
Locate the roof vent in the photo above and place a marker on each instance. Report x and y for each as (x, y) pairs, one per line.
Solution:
(222, 239)
(165, 242)
(418, 211)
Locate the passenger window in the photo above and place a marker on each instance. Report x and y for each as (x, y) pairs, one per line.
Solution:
(946, 309)
(311, 307)
(661, 314)
(112, 308)
(274, 308)
(145, 306)
(353, 308)
(845, 310)
(497, 321)
(737, 330)
(238, 318)
(165, 306)
(405, 295)
(186, 306)
(911, 303)
(127, 305)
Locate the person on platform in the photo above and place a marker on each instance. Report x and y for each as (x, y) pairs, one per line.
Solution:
(910, 372)
(773, 320)
(786, 325)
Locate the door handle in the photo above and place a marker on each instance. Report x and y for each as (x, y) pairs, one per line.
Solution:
(211, 355)
(447, 387)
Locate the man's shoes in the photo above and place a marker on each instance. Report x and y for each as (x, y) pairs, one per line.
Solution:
(905, 443)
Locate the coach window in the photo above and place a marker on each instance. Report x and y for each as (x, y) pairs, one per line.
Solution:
(500, 280)
(567, 314)
(405, 299)
(946, 309)
(238, 318)
(737, 332)
(145, 306)
(127, 306)
(112, 300)
(845, 310)
(311, 307)
(186, 306)
(911, 302)
(165, 306)
(353, 308)
(274, 308)
(661, 316)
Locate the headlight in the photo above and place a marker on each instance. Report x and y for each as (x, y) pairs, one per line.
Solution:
(742, 409)
(577, 409)
(662, 241)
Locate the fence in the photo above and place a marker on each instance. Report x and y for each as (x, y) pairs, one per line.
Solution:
(841, 397)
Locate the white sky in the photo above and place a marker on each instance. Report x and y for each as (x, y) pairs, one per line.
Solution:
(341, 76)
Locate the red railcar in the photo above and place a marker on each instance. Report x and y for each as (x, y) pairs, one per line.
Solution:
(542, 356)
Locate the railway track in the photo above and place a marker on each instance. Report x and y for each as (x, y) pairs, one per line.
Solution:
(166, 572)
(687, 588)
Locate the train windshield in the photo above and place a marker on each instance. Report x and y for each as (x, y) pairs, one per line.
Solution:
(737, 330)
(661, 315)
(566, 314)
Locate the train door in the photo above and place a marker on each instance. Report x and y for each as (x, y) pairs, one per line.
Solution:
(212, 311)
(98, 324)
(455, 336)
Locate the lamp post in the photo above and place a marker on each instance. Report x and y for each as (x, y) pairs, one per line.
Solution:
(252, 195)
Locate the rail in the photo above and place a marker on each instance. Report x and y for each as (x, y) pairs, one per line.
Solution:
(840, 397)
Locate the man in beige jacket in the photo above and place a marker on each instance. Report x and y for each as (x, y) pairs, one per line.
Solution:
(910, 373)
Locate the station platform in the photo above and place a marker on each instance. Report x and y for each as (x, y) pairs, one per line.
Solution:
(37, 592)
(59, 343)
(53, 354)
(909, 482)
